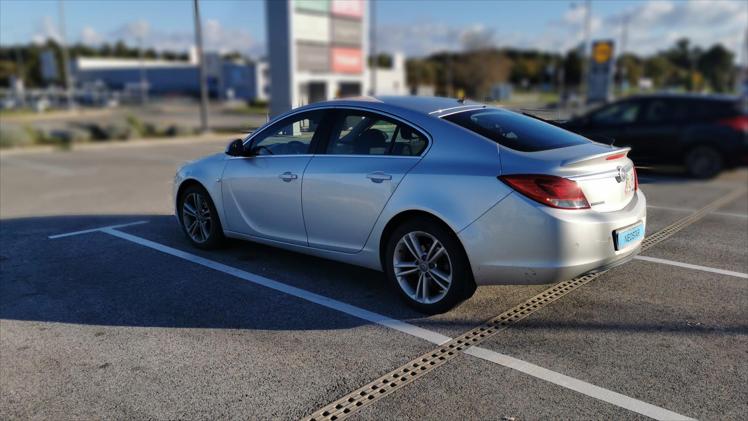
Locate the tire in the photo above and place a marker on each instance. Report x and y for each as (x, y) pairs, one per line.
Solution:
(422, 283)
(204, 231)
(703, 162)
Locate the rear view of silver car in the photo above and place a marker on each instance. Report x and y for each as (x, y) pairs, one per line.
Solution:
(441, 195)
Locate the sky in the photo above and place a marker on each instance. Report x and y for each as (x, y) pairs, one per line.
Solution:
(414, 27)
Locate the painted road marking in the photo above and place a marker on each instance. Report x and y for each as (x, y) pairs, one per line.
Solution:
(418, 367)
(690, 266)
(576, 385)
(428, 335)
(670, 208)
(89, 231)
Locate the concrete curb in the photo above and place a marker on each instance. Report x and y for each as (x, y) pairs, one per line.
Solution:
(159, 141)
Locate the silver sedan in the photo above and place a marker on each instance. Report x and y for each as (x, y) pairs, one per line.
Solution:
(442, 195)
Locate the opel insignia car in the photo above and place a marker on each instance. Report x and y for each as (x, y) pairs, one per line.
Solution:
(442, 195)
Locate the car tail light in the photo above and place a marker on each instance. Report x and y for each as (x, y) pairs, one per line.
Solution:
(556, 192)
(739, 123)
(616, 156)
(636, 180)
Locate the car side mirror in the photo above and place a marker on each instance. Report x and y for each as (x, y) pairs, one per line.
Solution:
(236, 148)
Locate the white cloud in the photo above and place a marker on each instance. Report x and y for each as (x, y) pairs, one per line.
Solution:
(216, 37)
(653, 25)
(90, 36)
(46, 29)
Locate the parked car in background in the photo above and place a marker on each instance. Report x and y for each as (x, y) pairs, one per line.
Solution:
(704, 133)
(442, 195)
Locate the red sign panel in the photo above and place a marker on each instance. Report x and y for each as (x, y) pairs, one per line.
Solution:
(347, 60)
(352, 8)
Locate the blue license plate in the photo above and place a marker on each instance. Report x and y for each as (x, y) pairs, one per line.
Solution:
(627, 237)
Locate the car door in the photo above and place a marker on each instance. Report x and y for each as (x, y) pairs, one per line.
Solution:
(262, 192)
(347, 185)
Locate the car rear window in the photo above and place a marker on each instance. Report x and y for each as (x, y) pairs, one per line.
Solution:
(516, 131)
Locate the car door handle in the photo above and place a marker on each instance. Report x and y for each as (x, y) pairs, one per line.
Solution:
(288, 176)
(378, 177)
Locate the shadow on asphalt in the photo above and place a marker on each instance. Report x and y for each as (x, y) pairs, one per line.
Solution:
(98, 279)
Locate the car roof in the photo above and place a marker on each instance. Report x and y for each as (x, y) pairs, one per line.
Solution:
(427, 105)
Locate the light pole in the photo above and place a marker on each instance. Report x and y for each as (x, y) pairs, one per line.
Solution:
(585, 55)
(201, 64)
(65, 68)
(373, 43)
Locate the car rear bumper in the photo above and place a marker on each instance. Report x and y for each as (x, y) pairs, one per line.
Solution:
(521, 242)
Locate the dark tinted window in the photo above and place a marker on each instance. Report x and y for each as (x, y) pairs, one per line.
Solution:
(620, 113)
(516, 131)
(365, 133)
(664, 111)
(709, 109)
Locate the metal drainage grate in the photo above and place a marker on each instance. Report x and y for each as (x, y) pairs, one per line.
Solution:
(426, 363)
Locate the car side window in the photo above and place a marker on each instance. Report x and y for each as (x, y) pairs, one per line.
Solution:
(362, 133)
(292, 136)
(408, 142)
(662, 111)
(622, 113)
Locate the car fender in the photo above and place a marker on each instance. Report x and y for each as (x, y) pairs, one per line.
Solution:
(207, 172)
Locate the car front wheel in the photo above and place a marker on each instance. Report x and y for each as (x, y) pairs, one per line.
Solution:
(428, 266)
(199, 218)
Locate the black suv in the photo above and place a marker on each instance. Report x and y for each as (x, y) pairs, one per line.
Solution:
(705, 133)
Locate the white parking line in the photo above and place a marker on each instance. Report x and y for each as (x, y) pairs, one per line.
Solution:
(571, 383)
(88, 231)
(690, 266)
(670, 208)
(576, 385)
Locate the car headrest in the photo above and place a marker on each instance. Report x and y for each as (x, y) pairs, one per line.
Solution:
(369, 139)
(406, 132)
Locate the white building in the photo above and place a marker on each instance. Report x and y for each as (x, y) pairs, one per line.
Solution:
(391, 81)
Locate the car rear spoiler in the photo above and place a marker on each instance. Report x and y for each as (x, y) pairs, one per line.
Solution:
(600, 158)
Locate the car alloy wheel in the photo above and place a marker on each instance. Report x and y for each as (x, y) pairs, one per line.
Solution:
(422, 267)
(196, 217)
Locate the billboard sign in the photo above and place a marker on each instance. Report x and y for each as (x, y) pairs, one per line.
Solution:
(333, 28)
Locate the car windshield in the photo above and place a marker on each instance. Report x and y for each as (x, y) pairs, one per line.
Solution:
(515, 131)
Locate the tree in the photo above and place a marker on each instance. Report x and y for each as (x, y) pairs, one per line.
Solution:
(716, 65)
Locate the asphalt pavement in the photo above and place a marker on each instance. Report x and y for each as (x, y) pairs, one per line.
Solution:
(133, 323)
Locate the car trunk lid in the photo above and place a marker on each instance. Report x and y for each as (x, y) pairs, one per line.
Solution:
(605, 174)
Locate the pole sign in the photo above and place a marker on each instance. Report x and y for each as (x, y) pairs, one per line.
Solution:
(600, 75)
(316, 50)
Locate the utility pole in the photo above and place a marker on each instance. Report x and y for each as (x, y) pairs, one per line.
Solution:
(585, 55)
(622, 49)
(201, 64)
(143, 80)
(373, 41)
(65, 68)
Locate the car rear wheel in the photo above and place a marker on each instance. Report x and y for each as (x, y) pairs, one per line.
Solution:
(703, 162)
(428, 266)
(199, 218)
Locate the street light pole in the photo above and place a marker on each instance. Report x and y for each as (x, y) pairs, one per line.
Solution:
(65, 68)
(585, 55)
(201, 64)
(373, 41)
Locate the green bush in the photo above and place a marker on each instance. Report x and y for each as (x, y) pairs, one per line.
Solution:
(70, 136)
(137, 126)
(15, 136)
(176, 130)
(119, 131)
